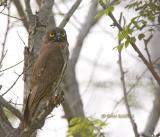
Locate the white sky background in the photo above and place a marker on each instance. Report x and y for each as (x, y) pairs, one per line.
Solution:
(98, 47)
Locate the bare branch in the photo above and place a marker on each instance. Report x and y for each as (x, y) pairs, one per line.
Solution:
(86, 27)
(73, 16)
(7, 105)
(76, 25)
(28, 9)
(133, 86)
(69, 14)
(134, 126)
(146, 48)
(5, 37)
(3, 58)
(13, 84)
(21, 13)
(95, 64)
(3, 9)
(10, 16)
(21, 39)
(130, 89)
(12, 66)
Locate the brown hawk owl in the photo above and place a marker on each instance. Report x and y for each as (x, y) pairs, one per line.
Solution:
(47, 70)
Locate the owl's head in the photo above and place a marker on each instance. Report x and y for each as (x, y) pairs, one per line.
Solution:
(56, 35)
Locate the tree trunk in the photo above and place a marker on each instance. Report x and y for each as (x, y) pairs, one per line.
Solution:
(155, 111)
(73, 106)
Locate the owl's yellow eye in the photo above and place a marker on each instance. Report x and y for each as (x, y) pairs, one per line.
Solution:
(63, 34)
(52, 35)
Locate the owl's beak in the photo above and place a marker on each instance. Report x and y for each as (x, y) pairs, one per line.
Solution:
(58, 37)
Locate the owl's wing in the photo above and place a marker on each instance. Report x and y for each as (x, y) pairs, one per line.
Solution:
(46, 71)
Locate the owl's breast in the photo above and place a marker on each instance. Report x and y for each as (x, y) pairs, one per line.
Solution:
(50, 64)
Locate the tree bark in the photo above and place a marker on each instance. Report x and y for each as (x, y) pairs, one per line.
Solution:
(154, 114)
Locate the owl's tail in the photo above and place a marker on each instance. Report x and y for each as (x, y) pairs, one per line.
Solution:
(29, 111)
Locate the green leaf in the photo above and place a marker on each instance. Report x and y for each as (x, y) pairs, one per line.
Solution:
(106, 12)
(141, 36)
(86, 127)
(123, 34)
(136, 25)
(75, 121)
(120, 35)
(126, 43)
(100, 14)
(109, 10)
(107, 2)
(120, 47)
(133, 5)
(132, 40)
(129, 30)
(100, 2)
